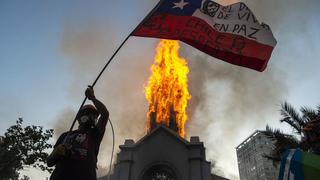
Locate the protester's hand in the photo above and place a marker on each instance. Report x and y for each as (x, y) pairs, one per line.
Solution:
(90, 93)
(60, 150)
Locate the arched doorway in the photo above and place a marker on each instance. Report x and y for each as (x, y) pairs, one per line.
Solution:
(159, 172)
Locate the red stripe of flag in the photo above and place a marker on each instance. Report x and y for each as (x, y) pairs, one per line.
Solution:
(194, 31)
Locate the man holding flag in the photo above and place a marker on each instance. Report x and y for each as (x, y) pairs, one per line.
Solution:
(75, 152)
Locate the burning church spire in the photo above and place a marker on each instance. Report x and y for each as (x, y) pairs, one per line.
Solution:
(167, 90)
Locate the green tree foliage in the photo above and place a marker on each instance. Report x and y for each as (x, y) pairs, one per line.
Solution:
(23, 147)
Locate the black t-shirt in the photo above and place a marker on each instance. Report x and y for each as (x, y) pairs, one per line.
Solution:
(80, 162)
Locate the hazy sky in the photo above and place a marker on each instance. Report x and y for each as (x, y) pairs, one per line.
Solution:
(50, 51)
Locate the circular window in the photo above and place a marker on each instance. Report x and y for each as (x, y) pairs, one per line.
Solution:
(159, 172)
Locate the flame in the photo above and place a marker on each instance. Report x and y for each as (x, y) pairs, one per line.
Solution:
(167, 88)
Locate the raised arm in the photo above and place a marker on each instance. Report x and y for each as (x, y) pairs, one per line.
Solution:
(104, 113)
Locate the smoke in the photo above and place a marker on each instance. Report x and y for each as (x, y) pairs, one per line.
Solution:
(225, 98)
(63, 122)
(228, 102)
(120, 88)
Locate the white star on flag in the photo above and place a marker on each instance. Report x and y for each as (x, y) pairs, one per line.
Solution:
(180, 4)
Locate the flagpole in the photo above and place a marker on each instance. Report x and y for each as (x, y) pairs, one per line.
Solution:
(111, 58)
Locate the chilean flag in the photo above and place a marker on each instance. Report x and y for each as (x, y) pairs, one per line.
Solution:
(230, 33)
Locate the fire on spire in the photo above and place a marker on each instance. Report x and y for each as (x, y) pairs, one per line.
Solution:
(167, 90)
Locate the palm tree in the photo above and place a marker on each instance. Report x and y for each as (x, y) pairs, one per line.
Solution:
(306, 126)
(292, 117)
(282, 142)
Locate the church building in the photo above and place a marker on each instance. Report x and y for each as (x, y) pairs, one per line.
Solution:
(162, 155)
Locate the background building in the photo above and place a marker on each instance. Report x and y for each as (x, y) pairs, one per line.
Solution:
(251, 163)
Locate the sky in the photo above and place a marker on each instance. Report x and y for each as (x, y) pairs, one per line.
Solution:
(51, 50)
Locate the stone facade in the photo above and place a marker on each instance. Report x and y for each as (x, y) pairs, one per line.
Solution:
(162, 155)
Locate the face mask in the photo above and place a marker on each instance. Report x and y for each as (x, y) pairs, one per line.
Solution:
(89, 119)
(84, 119)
